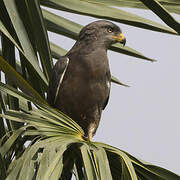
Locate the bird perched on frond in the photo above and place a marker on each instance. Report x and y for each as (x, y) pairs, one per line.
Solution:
(80, 82)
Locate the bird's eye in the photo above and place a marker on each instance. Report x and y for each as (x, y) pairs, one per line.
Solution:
(110, 30)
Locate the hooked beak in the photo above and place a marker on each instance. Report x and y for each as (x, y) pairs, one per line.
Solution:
(120, 38)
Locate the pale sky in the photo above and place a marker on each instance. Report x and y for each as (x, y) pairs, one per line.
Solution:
(144, 119)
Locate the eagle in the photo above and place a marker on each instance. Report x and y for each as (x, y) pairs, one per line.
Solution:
(80, 81)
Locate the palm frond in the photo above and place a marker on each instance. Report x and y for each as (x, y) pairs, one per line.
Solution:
(57, 140)
(98, 10)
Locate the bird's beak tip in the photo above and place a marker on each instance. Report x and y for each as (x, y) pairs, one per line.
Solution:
(123, 42)
(120, 38)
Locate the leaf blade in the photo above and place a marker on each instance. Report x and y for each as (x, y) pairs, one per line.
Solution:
(23, 37)
(102, 11)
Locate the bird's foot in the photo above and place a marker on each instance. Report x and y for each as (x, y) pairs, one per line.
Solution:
(88, 138)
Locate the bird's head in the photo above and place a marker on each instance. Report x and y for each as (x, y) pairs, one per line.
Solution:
(102, 32)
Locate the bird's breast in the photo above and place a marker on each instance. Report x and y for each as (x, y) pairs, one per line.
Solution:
(88, 82)
(95, 65)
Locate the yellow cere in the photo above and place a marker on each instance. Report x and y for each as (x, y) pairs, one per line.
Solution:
(119, 38)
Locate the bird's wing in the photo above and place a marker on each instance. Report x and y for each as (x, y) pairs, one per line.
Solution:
(108, 86)
(56, 79)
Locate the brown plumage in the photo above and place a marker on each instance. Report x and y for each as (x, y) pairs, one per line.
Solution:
(80, 81)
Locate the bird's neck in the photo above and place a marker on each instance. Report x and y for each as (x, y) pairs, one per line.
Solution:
(88, 47)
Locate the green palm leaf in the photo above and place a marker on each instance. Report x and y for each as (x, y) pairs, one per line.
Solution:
(47, 152)
(106, 12)
(172, 6)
